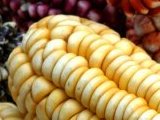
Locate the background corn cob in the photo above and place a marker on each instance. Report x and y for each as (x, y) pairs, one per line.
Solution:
(9, 111)
(143, 27)
(131, 7)
(25, 12)
(10, 37)
(4, 93)
(64, 67)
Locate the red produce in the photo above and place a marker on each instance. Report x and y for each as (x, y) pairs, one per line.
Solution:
(6, 2)
(131, 7)
(22, 12)
(94, 15)
(83, 7)
(27, 11)
(57, 3)
(151, 42)
(54, 11)
(32, 10)
(70, 6)
(42, 10)
(157, 56)
(14, 5)
(143, 23)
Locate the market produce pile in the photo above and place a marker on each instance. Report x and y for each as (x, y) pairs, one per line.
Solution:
(84, 72)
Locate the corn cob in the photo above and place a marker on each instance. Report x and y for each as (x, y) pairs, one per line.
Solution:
(9, 111)
(104, 32)
(95, 61)
(43, 53)
(38, 107)
(111, 36)
(70, 72)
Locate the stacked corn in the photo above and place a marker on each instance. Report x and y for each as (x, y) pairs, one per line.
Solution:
(72, 68)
